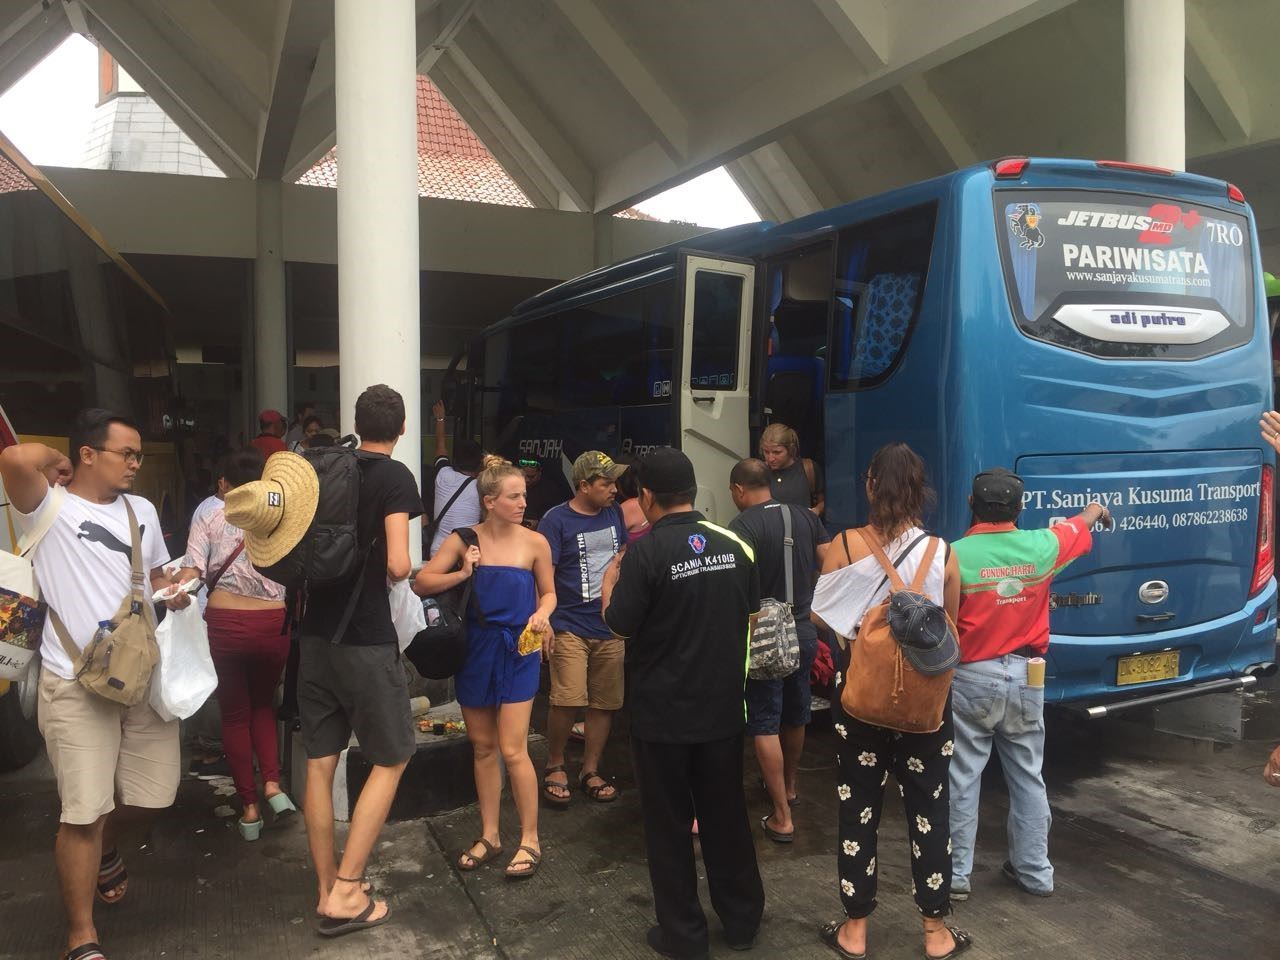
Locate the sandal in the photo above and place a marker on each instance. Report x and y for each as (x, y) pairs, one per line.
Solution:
(777, 836)
(111, 875)
(548, 786)
(490, 852)
(963, 943)
(337, 926)
(281, 805)
(830, 935)
(595, 793)
(524, 869)
(86, 951)
(365, 887)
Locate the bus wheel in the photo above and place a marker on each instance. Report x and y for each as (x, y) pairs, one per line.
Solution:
(19, 737)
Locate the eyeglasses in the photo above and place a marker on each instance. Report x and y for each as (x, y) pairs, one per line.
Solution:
(128, 456)
(529, 464)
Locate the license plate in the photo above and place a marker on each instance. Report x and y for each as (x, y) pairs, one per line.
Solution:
(1146, 667)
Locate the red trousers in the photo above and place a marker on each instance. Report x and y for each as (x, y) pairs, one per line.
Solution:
(249, 652)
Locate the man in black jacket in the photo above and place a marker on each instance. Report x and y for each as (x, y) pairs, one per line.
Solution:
(682, 599)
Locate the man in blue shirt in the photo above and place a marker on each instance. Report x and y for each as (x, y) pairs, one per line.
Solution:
(586, 662)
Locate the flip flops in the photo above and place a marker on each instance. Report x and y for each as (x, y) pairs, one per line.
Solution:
(338, 926)
(525, 868)
(554, 799)
(777, 836)
(111, 874)
(490, 851)
(829, 934)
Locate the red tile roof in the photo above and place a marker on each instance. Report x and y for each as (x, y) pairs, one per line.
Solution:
(11, 178)
(452, 162)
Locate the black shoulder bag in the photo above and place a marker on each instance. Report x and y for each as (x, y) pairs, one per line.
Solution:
(439, 649)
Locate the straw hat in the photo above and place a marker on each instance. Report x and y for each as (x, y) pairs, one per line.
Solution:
(276, 511)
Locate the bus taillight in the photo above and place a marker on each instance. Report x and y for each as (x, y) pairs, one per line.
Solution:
(1264, 563)
(1235, 193)
(1010, 168)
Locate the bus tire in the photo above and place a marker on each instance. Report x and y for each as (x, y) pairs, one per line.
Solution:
(20, 739)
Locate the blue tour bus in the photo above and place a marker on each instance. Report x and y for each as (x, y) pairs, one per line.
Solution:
(1098, 327)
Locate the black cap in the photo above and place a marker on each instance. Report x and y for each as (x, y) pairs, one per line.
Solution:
(998, 487)
(667, 470)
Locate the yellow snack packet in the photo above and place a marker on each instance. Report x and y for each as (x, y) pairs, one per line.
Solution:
(529, 642)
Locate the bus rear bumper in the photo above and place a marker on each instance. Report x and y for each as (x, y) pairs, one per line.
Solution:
(1229, 653)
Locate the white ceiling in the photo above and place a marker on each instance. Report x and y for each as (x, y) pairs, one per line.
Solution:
(593, 104)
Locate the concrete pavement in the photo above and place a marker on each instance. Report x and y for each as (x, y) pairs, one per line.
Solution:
(1164, 848)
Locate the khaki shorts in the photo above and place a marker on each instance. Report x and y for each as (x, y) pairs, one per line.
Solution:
(102, 751)
(587, 673)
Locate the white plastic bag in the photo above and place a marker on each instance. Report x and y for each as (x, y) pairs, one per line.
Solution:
(406, 612)
(185, 677)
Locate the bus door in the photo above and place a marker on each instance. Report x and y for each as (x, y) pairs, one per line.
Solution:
(712, 415)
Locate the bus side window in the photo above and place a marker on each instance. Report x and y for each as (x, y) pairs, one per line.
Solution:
(619, 349)
(879, 284)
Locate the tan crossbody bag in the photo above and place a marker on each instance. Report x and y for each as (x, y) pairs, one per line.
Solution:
(118, 665)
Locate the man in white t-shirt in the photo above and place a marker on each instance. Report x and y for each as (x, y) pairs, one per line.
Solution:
(102, 753)
(456, 502)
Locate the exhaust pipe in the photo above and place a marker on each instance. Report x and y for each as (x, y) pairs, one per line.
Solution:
(1225, 685)
(1261, 670)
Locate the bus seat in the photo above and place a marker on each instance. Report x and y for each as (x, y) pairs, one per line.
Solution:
(891, 300)
(800, 326)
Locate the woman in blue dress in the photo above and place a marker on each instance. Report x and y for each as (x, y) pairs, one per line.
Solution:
(513, 591)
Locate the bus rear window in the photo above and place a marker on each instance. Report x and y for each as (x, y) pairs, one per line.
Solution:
(1124, 276)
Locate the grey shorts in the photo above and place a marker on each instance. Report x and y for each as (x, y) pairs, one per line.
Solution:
(344, 689)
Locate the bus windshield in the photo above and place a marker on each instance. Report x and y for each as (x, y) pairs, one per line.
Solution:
(1126, 276)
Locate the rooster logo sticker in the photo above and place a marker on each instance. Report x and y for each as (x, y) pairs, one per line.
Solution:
(1024, 221)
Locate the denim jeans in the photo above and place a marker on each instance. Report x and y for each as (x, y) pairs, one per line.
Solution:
(992, 704)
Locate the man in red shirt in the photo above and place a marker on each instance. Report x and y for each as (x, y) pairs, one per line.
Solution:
(1005, 576)
(271, 428)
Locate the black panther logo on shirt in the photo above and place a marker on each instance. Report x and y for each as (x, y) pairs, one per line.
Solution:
(98, 534)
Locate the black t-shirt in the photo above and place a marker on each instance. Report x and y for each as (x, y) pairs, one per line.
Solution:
(761, 526)
(682, 604)
(791, 484)
(386, 487)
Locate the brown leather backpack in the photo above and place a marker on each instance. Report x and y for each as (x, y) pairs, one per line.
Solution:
(881, 687)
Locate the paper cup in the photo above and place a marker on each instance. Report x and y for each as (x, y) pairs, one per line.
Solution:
(1035, 672)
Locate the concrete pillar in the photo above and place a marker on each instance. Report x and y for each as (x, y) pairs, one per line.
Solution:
(270, 334)
(378, 326)
(1155, 36)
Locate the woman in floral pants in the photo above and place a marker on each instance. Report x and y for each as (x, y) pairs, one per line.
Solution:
(920, 762)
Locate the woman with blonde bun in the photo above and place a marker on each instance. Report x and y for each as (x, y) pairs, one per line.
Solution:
(512, 596)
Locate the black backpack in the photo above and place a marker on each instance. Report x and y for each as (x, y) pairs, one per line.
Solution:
(327, 554)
